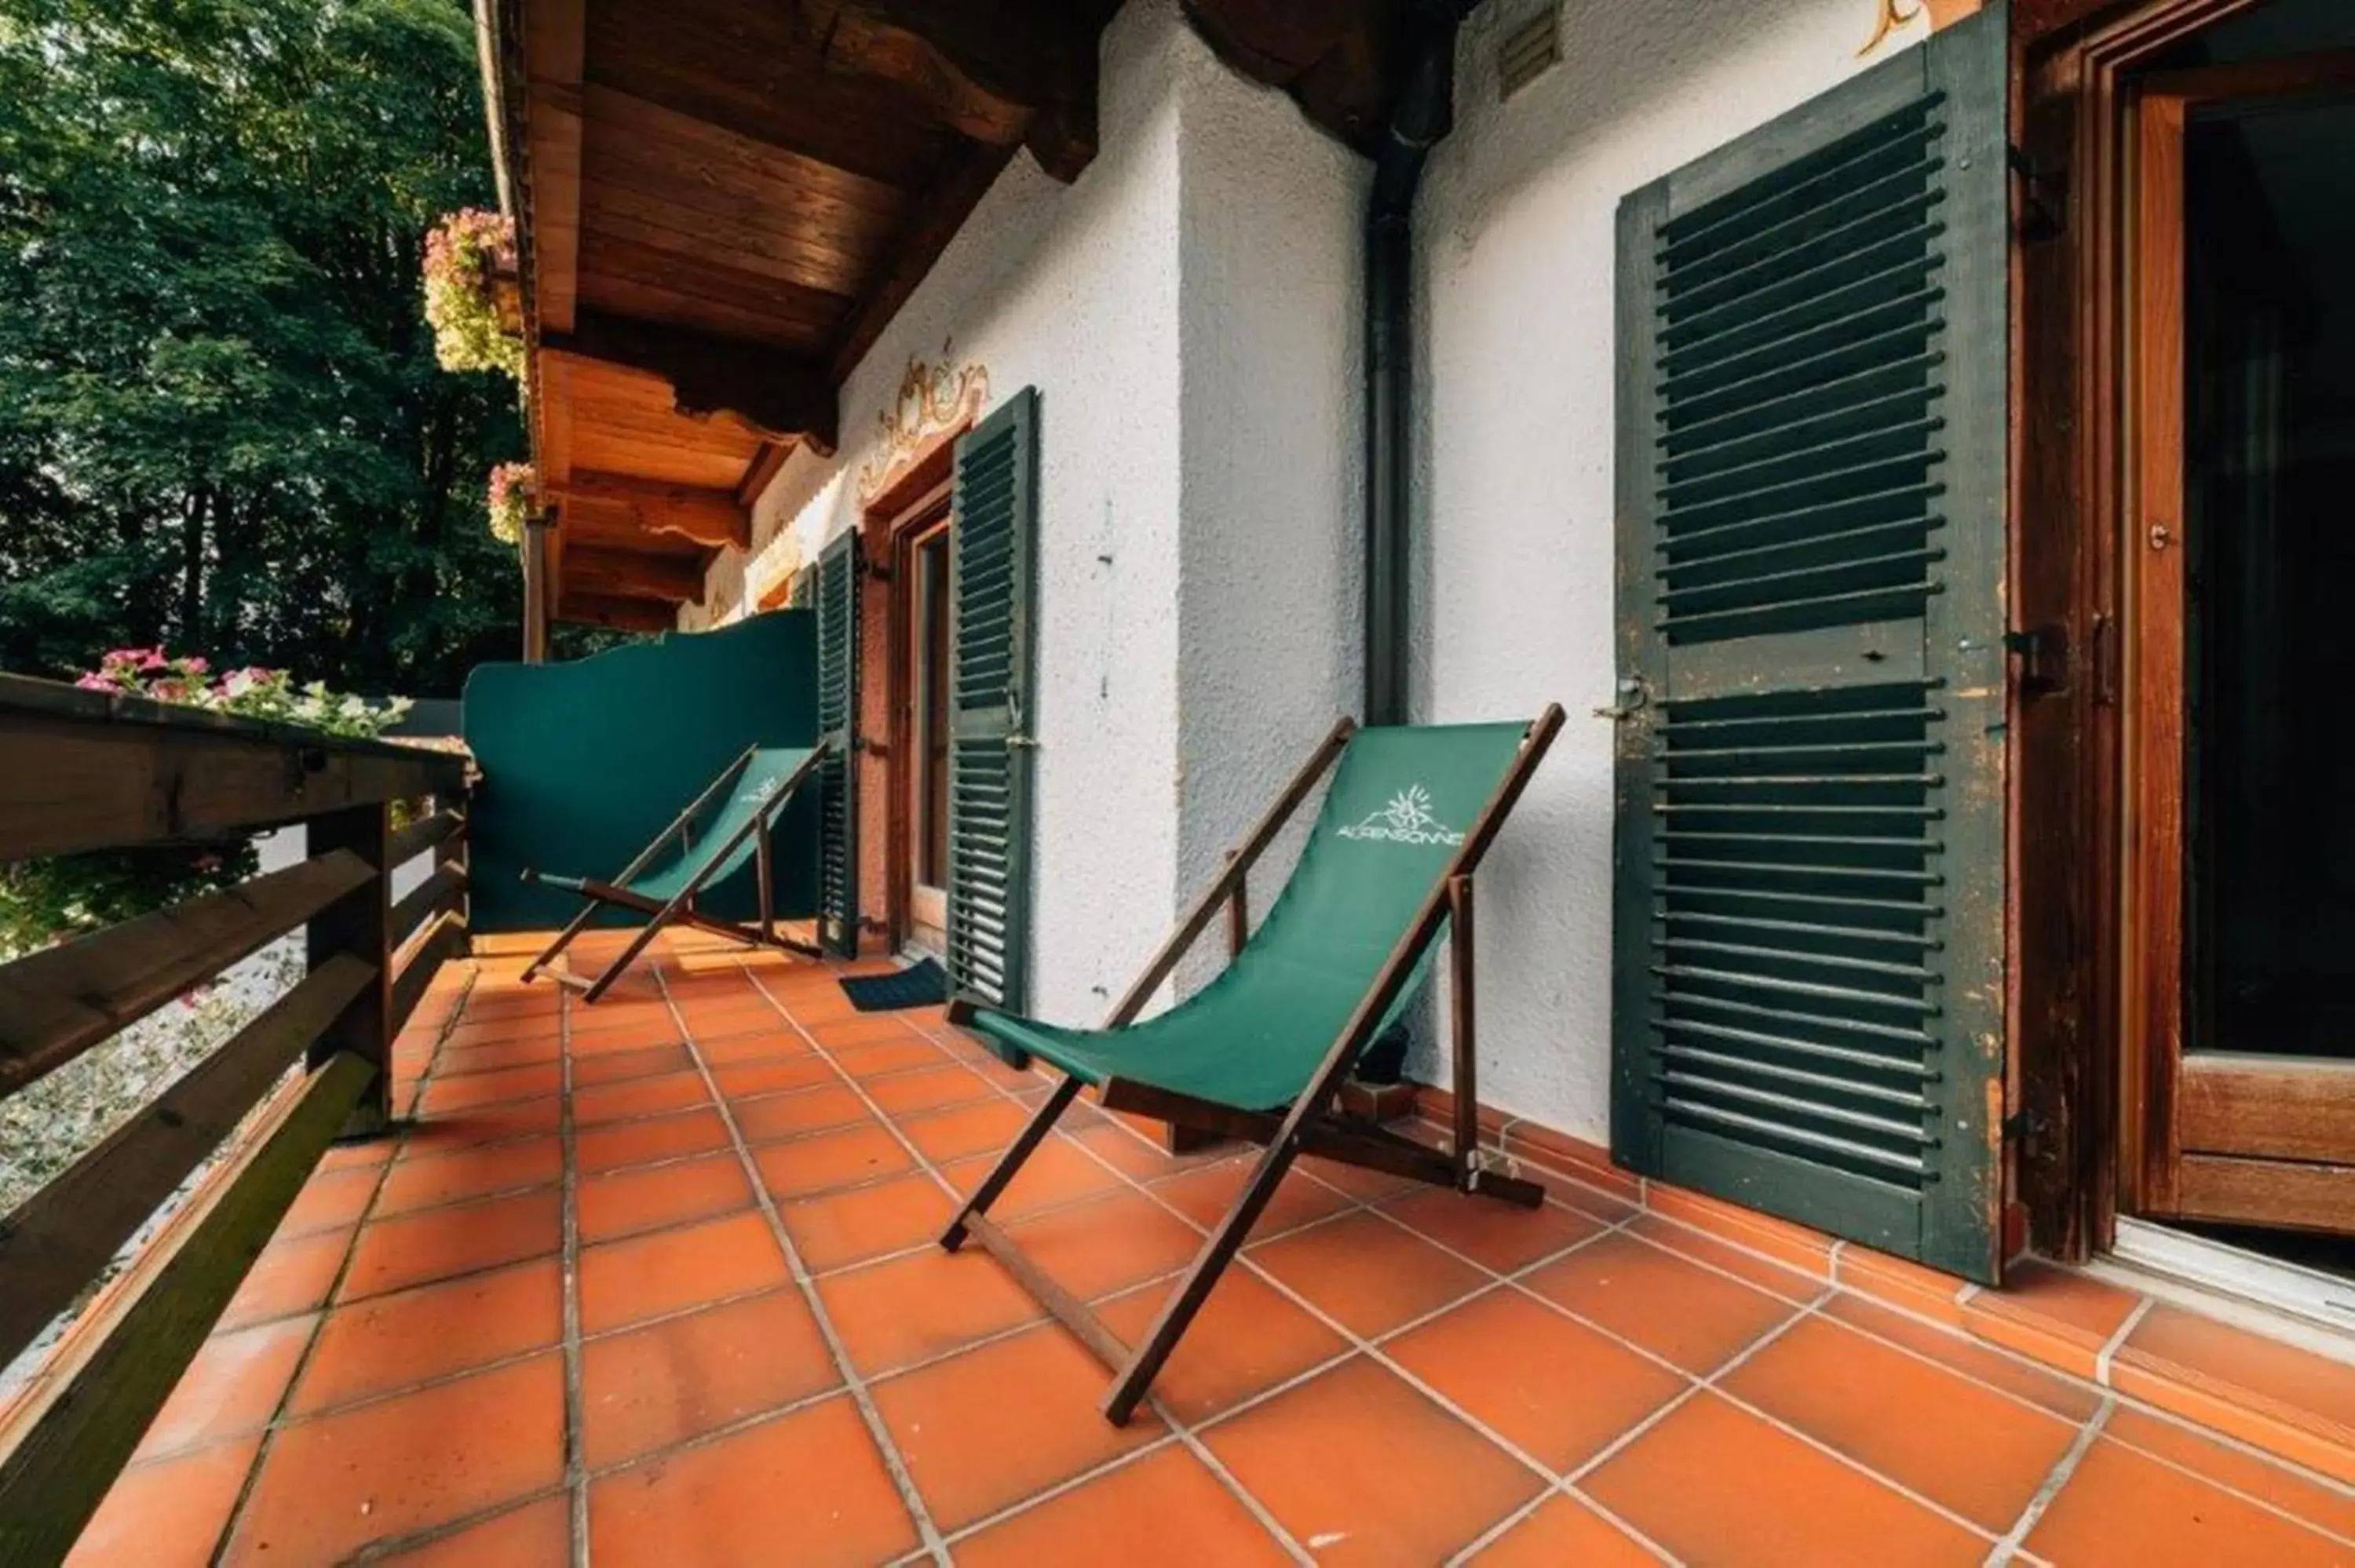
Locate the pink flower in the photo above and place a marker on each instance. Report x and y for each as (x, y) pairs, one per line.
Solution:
(95, 684)
(194, 666)
(154, 660)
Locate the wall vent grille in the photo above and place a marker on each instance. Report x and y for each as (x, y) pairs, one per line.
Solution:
(1531, 48)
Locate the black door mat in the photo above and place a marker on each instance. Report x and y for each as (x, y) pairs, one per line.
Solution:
(923, 984)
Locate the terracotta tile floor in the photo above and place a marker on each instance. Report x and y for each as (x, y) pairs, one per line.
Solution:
(653, 1283)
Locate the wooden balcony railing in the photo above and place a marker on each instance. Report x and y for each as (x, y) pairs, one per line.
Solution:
(84, 770)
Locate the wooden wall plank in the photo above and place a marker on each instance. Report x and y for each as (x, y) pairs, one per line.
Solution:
(424, 833)
(70, 1435)
(440, 891)
(75, 784)
(60, 1239)
(654, 461)
(60, 1001)
(619, 614)
(617, 505)
(724, 160)
(694, 271)
(2303, 1196)
(416, 966)
(2281, 1108)
(743, 68)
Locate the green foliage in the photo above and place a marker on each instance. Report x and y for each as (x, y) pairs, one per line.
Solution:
(464, 255)
(222, 422)
(56, 896)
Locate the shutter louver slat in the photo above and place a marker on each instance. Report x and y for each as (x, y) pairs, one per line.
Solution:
(836, 591)
(1808, 970)
(993, 535)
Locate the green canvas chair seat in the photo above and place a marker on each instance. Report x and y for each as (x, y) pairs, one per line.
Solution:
(722, 829)
(1261, 1051)
(1400, 805)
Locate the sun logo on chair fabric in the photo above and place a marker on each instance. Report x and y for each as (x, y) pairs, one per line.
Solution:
(1407, 820)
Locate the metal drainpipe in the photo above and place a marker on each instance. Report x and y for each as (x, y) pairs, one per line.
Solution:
(1423, 112)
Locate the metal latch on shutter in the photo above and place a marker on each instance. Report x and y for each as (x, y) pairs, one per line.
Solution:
(1027, 742)
(2044, 200)
(1633, 696)
(2043, 656)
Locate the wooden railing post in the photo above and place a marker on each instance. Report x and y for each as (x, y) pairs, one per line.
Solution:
(539, 592)
(359, 924)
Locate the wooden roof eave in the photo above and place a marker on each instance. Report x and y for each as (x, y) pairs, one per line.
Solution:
(728, 200)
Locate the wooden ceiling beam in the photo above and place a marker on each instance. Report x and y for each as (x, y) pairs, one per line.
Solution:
(710, 518)
(555, 46)
(1335, 57)
(575, 609)
(1005, 73)
(959, 191)
(599, 569)
(773, 394)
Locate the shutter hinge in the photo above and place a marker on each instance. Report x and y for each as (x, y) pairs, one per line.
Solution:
(2021, 1125)
(2043, 656)
(2044, 196)
(1633, 696)
(2105, 658)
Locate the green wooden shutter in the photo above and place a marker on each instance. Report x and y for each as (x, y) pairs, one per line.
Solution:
(1808, 994)
(836, 595)
(993, 535)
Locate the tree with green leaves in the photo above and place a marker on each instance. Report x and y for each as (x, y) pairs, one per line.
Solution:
(222, 428)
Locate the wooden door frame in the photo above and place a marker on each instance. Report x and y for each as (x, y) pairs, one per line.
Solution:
(2175, 1120)
(888, 520)
(927, 515)
(2084, 1150)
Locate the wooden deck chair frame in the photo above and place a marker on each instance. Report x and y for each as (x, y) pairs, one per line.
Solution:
(1310, 1126)
(680, 908)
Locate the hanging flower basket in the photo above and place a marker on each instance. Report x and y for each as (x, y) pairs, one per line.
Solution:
(471, 293)
(510, 500)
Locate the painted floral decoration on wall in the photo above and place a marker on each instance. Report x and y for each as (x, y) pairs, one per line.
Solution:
(1896, 14)
(932, 398)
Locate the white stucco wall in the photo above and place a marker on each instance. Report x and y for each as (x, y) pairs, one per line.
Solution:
(1189, 311)
(1513, 516)
(1269, 596)
(1073, 290)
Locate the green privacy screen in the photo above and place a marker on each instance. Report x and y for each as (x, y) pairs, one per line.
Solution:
(583, 762)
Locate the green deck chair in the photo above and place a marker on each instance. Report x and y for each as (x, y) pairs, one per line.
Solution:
(744, 801)
(1261, 1050)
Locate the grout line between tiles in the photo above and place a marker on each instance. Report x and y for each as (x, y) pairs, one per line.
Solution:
(2110, 1346)
(576, 1484)
(1360, 1343)
(1568, 1482)
(2029, 1363)
(2065, 1466)
(1125, 1177)
(377, 1551)
(399, 1132)
(894, 1462)
(1182, 1430)
(2267, 1458)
